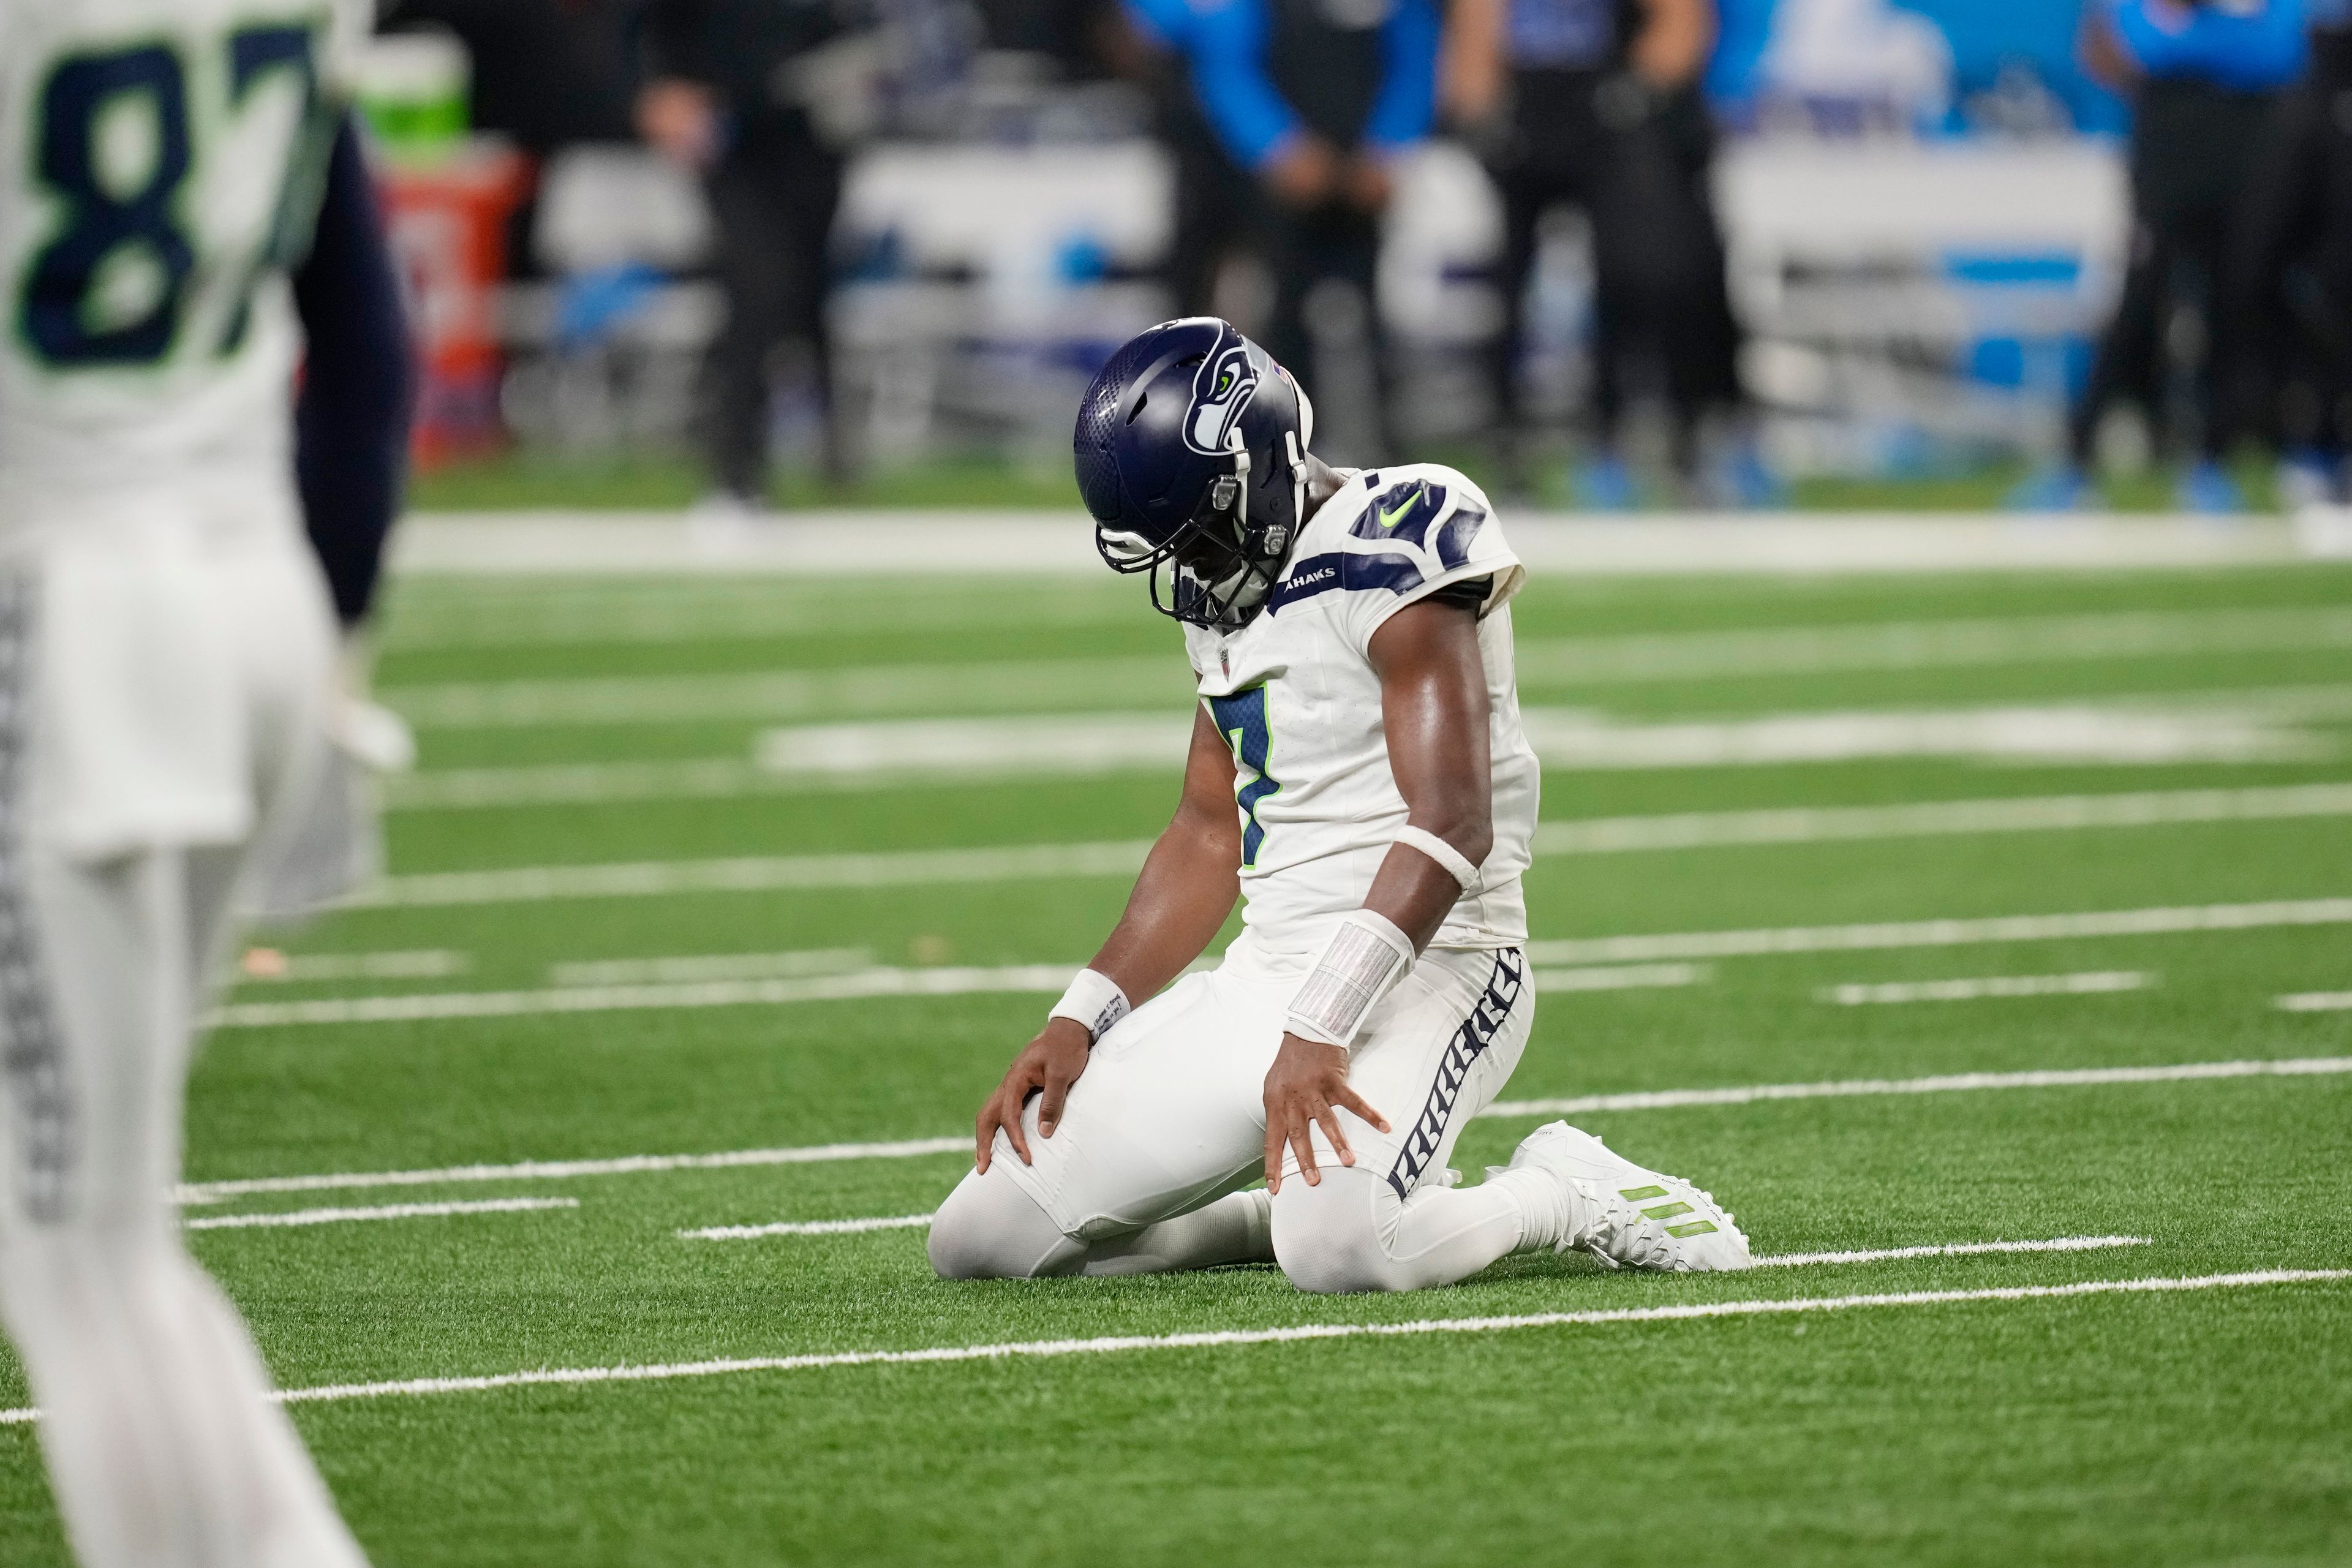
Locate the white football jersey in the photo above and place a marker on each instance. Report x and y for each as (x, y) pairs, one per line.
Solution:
(1295, 694)
(159, 166)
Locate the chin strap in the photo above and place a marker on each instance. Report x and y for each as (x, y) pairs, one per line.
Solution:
(1233, 490)
(1298, 483)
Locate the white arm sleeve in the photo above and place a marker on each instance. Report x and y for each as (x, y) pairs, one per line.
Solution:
(1366, 956)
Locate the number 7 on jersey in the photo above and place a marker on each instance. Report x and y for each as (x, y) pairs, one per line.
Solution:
(1241, 720)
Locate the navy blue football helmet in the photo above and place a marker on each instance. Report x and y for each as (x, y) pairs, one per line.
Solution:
(1191, 455)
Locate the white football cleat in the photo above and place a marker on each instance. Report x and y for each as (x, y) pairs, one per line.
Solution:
(1627, 1216)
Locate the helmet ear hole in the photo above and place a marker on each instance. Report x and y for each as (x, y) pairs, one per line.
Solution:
(1181, 442)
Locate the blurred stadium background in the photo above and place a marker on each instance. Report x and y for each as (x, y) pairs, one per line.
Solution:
(1928, 877)
(1924, 207)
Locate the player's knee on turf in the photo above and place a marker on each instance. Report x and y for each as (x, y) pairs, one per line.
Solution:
(989, 1229)
(1328, 1238)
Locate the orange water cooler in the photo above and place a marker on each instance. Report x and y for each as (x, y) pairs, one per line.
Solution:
(448, 223)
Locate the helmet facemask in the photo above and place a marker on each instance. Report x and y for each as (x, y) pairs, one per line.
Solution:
(1216, 568)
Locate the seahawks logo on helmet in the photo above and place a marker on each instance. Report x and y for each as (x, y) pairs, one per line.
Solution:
(1221, 394)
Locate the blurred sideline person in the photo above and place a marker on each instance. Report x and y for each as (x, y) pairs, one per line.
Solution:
(717, 102)
(1318, 99)
(2287, 271)
(1217, 212)
(167, 648)
(546, 73)
(2203, 76)
(1359, 776)
(1595, 104)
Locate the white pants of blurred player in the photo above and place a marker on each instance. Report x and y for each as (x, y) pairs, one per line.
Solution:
(1168, 1123)
(161, 702)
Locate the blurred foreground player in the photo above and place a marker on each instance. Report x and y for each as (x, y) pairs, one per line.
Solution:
(167, 654)
(1351, 641)
(351, 464)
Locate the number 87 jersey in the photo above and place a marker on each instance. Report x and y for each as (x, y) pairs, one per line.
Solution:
(159, 168)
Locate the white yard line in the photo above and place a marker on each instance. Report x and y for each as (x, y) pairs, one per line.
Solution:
(267, 965)
(2314, 1002)
(553, 613)
(1953, 1250)
(1595, 836)
(766, 980)
(1585, 964)
(202, 1193)
(854, 986)
(961, 1144)
(870, 690)
(1928, 645)
(715, 967)
(1000, 543)
(860, 689)
(2021, 735)
(1888, 934)
(1623, 977)
(580, 783)
(1942, 1083)
(1013, 745)
(1770, 1260)
(1926, 819)
(2218, 727)
(389, 1211)
(1228, 1338)
(807, 1227)
(2091, 982)
(761, 874)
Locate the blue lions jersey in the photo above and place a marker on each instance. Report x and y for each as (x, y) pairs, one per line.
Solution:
(1570, 34)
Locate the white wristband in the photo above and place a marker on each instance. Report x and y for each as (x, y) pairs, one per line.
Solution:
(1094, 1000)
(1366, 956)
(1445, 854)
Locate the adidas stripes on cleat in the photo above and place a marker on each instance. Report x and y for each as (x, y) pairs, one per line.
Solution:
(1628, 1216)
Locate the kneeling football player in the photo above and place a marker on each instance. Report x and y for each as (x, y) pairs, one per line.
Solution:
(1352, 648)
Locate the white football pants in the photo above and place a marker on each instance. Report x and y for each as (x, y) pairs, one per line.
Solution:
(1168, 1121)
(164, 1450)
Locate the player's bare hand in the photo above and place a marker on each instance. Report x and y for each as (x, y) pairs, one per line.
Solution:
(1304, 1088)
(1370, 186)
(1305, 172)
(1047, 1065)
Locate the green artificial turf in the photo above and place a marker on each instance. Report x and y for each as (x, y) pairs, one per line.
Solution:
(529, 478)
(2178, 1428)
(668, 480)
